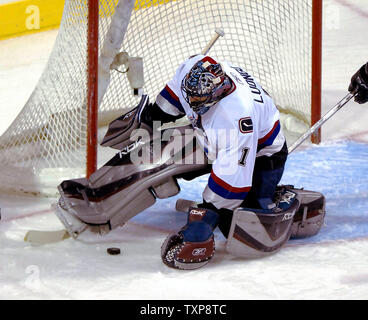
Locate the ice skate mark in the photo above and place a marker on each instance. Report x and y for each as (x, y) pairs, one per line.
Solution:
(324, 243)
(151, 227)
(352, 7)
(27, 215)
(354, 279)
(359, 137)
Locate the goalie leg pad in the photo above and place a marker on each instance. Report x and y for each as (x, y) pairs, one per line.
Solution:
(309, 218)
(256, 233)
(121, 189)
(78, 214)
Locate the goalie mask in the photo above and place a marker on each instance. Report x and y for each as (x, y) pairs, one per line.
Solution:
(205, 85)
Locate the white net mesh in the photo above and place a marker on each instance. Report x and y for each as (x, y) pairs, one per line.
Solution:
(269, 38)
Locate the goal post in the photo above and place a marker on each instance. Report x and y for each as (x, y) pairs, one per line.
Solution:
(56, 135)
(92, 87)
(316, 85)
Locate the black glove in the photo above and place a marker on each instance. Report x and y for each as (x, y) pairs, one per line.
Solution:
(359, 84)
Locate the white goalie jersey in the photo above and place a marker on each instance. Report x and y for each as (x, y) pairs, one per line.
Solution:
(240, 127)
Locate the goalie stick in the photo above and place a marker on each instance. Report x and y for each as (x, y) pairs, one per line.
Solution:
(183, 205)
(39, 237)
(321, 121)
(218, 33)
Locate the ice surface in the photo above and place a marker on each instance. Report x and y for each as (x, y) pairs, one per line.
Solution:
(330, 265)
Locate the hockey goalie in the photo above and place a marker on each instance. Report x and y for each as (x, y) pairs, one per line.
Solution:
(235, 136)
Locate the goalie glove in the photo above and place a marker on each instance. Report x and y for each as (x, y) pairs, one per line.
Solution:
(359, 84)
(193, 246)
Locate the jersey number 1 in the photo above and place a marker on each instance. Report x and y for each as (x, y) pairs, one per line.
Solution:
(243, 156)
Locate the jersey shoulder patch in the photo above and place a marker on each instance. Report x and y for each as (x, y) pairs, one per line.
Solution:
(246, 125)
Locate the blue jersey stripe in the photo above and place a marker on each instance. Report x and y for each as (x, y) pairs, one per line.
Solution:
(172, 99)
(224, 193)
(270, 139)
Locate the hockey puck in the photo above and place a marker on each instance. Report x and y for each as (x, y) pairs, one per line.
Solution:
(113, 251)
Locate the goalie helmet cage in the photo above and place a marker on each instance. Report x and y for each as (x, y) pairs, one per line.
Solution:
(278, 41)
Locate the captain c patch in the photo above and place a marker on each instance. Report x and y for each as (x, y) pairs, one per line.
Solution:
(246, 125)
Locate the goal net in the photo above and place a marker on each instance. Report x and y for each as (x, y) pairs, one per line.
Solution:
(272, 39)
